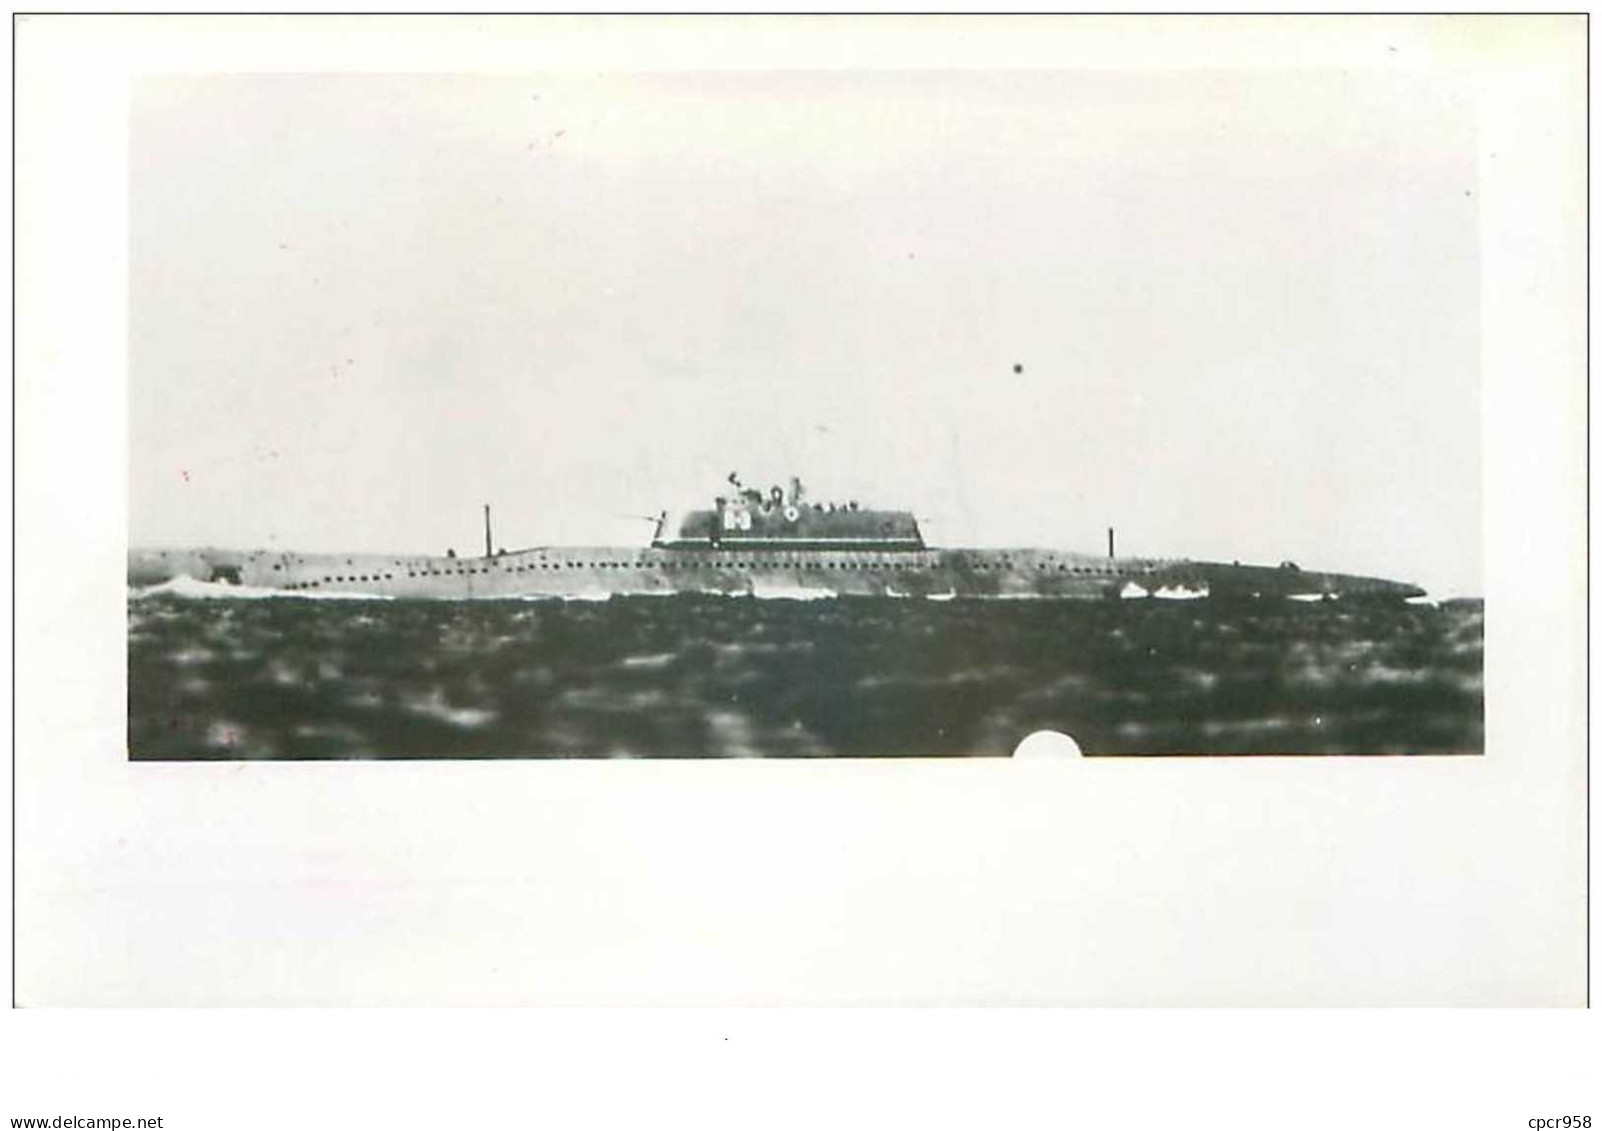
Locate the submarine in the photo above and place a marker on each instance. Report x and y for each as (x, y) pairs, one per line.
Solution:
(775, 543)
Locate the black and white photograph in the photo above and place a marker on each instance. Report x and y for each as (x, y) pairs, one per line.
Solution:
(831, 511)
(789, 413)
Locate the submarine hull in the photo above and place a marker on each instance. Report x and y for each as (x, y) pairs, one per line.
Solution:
(600, 572)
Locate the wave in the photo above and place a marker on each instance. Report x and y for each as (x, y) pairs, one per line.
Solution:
(790, 593)
(194, 588)
(1180, 593)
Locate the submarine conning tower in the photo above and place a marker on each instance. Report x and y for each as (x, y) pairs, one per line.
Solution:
(785, 519)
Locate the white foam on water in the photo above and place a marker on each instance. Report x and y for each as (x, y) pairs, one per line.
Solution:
(1307, 596)
(1180, 593)
(191, 587)
(651, 660)
(791, 593)
(433, 706)
(941, 596)
(1133, 591)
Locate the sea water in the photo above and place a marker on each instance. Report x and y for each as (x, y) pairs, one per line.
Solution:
(219, 674)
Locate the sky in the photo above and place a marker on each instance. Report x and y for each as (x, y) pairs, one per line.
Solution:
(1233, 314)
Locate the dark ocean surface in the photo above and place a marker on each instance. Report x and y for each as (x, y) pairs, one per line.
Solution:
(693, 676)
